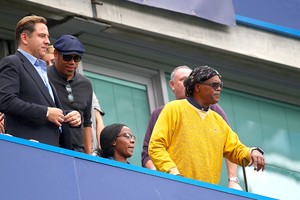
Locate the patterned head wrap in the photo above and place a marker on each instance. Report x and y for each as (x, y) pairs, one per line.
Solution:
(198, 75)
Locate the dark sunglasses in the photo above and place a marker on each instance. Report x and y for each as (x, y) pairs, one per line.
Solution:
(70, 94)
(76, 58)
(214, 85)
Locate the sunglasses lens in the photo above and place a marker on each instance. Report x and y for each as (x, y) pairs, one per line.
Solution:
(221, 85)
(71, 98)
(70, 94)
(68, 58)
(77, 58)
(217, 85)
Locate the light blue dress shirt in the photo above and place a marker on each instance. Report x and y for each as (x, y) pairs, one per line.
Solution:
(41, 68)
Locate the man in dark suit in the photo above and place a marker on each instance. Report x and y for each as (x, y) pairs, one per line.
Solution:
(27, 98)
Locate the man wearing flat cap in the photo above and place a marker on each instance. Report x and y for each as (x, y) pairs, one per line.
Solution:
(74, 90)
(190, 139)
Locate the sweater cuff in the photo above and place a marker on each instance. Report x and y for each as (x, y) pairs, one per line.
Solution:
(174, 171)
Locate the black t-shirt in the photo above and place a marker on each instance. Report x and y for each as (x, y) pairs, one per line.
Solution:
(80, 89)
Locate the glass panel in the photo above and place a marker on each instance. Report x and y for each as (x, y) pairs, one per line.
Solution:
(123, 102)
(275, 181)
(275, 127)
(292, 116)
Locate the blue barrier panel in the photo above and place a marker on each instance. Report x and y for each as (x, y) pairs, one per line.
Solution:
(30, 171)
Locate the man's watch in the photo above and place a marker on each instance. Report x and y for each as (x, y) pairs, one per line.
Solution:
(258, 149)
(235, 179)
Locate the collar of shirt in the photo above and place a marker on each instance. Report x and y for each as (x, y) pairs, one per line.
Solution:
(33, 59)
(39, 64)
(193, 101)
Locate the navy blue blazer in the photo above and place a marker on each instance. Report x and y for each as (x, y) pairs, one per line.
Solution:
(24, 99)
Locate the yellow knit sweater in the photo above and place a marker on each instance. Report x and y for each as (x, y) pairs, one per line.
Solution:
(193, 142)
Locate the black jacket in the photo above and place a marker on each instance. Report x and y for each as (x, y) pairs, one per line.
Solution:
(24, 99)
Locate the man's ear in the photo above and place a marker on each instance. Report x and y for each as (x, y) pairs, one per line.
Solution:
(24, 38)
(114, 143)
(171, 83)
(55, 53)
(197, 87)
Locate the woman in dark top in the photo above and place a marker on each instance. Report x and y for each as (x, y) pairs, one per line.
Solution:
(116, 142)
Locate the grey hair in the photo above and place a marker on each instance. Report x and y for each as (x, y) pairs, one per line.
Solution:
(176, 69)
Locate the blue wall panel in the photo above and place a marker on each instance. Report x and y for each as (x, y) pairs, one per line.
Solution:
(283, 13)
(32, 171)
(279, 16)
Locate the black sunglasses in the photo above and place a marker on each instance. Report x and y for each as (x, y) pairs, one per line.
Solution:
(76, 58)
(214, 85)
(70, 94)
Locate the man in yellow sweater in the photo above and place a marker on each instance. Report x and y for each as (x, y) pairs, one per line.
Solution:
(190, 140)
